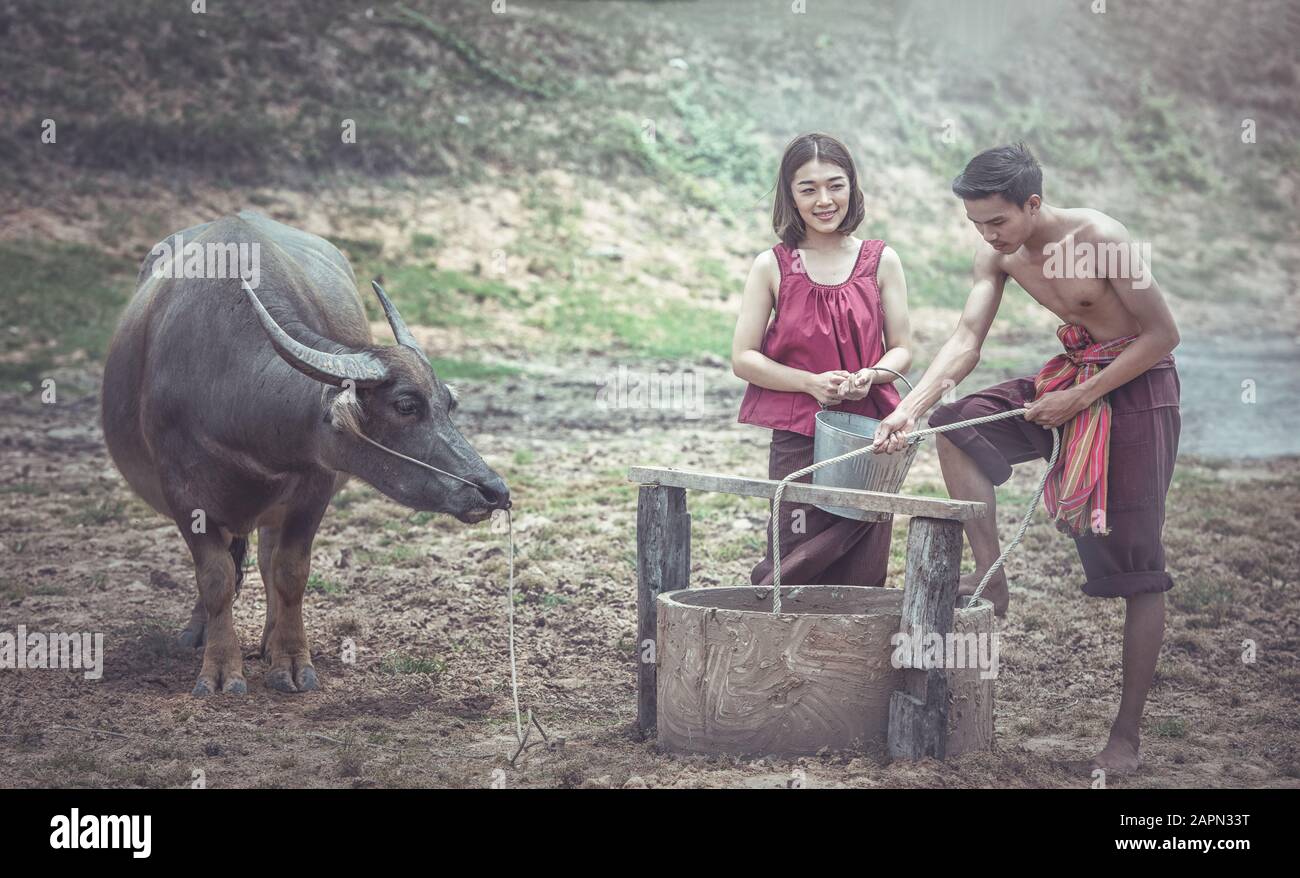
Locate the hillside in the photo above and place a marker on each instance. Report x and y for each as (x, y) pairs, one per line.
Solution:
(596, 175)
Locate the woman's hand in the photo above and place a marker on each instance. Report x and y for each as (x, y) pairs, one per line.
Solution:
(825, 386)
(889, 435)
(858, 385)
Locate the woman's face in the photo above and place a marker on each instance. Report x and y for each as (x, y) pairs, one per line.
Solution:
(821, 193)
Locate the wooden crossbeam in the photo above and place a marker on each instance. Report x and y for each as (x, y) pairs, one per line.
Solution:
(801, 492)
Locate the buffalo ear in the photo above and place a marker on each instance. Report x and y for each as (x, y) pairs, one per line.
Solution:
(362, 368)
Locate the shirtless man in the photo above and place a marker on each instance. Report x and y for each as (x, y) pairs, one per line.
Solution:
(1118, 371)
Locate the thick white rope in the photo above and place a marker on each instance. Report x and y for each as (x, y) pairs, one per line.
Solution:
(911, 438)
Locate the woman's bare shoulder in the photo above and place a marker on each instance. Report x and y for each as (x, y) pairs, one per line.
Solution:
(767, 266)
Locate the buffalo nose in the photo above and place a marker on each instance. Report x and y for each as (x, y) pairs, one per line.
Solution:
(496, 493)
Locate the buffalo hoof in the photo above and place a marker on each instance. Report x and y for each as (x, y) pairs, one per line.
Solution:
(280, 680)
(231, 686)
(307, 681)
(190, 638)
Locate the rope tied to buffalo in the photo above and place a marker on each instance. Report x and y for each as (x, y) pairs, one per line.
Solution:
(916, 436)
(344, 415)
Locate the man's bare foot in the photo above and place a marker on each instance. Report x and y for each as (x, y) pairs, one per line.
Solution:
(1119, 755)
(995, 592)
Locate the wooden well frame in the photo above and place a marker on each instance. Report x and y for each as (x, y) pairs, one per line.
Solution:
(919, 711)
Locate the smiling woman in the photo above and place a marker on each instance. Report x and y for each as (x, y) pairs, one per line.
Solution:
(821, 311)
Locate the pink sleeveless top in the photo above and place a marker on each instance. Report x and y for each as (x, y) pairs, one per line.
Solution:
(820, 328)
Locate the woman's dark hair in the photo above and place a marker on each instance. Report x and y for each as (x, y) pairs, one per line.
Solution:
(786, 222)
(1009, 171)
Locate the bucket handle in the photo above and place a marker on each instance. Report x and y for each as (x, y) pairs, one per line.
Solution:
(892, 372)
(910, 388)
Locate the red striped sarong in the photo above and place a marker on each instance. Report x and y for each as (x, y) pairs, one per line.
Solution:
(1075, 494)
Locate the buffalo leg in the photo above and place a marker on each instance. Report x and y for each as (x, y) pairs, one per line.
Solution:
(267, 538)
(191, 636)
(291, 668)
(223, 665)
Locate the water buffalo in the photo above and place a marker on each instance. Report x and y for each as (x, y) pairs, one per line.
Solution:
(229, 410)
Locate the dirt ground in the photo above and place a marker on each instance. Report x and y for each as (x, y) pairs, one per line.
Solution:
(423, 599)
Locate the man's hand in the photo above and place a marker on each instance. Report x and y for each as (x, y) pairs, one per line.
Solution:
(857, 385)
(889, 435)
(1055, 408)
(825, 386)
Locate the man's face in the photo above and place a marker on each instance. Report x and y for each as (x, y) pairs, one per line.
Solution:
(1002, 224)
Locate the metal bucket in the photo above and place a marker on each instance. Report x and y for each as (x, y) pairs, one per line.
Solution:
(838, 433)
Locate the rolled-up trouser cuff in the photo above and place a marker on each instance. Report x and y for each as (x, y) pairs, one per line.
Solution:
(1126, 585)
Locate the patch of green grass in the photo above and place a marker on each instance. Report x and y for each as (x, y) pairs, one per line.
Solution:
(1188, 477)
(429, 296)
(14, 589)
(106, 511)
(449, 369)
(422, 243)
(351, 756)
(1170, 727)
(404, 556)
(1033, 620)
(1069, 140)
(28, 488)
(318, 583)
(1198, 593)
(345, 499)
(665, 330)
(357, 250)
(709, 507)
(940, 278)
(1158, 144)
(750, 545)
(927, 489)
(61, 298)
(713, 139)
(919, 134)
(483, 63)
(717, 274)
(401, 663)
(69, 766)
(701, 144)
(1008, 498)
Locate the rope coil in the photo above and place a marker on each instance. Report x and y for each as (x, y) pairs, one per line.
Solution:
(913, 438)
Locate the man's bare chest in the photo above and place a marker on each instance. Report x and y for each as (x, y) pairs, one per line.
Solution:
(1074, 300)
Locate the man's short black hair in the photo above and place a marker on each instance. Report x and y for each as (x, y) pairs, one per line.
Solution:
(1009, 171)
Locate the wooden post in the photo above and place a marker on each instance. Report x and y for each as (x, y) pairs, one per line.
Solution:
(663, 563)
(918, 713)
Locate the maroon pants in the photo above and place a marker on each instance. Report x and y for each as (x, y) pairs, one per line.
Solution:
(1145, 422)
(830, 549)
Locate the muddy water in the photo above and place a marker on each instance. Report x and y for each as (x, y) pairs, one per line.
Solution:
(1220, 376)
